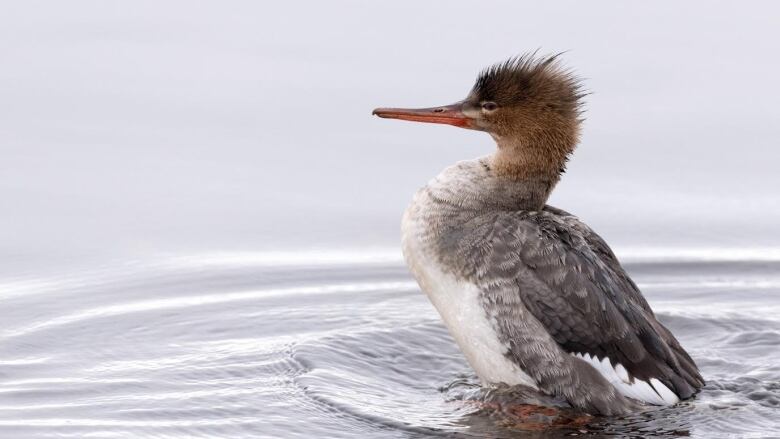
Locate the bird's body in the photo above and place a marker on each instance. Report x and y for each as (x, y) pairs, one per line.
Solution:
(533, 296)
(530, 293)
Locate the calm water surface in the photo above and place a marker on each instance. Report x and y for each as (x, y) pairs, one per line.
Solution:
(339, 344)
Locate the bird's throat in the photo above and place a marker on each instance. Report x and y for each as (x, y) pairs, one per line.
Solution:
(528, 163)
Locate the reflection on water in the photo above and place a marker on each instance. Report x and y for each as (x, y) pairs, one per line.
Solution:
(342, 344)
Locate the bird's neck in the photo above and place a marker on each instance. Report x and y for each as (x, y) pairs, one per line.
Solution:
(530, 194)
(474, 186)
(523, 160)
(535, 166)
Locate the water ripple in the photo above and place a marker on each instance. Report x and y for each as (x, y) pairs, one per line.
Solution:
(321, 345)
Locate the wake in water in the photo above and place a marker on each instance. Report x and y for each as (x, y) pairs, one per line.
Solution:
(342, 344)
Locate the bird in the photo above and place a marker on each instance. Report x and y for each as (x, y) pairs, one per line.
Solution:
(532, 295)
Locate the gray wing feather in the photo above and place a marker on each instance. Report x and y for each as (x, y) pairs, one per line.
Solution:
(567, 277)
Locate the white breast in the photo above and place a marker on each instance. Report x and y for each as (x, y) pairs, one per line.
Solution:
(459, 306)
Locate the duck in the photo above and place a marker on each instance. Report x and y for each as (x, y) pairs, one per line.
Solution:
(532, 295)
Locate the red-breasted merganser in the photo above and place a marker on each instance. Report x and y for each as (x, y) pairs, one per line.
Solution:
(529, 292)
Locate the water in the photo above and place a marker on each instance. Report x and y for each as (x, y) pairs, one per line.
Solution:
(341, 344)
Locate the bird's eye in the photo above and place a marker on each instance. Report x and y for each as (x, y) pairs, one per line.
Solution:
(489, 106)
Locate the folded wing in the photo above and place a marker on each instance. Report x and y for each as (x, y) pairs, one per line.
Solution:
(568, 278)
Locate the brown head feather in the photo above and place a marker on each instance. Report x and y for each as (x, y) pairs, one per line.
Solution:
(536, 118)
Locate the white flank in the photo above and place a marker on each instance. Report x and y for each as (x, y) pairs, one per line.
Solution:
(654, 392)
(458, 304)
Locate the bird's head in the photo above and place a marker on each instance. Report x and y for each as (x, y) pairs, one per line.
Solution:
(530, 105)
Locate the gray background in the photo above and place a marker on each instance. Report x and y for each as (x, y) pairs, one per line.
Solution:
(144, 127)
